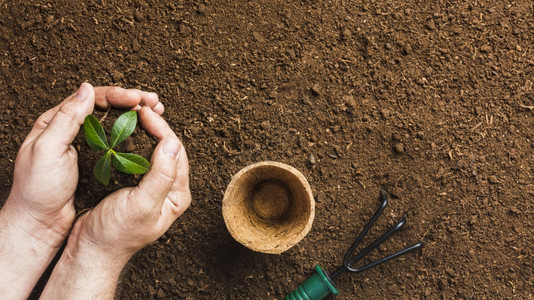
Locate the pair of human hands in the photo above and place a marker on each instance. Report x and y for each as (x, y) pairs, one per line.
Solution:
(46, 176)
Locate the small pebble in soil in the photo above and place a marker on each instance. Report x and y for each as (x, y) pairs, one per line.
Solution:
(493, 179)
(135, 45)
(316, 89)
(258, 37)
(346, 34)
(349, 101)
(117, 76)
(139, 16)
(385, 112)
(201, 8)
(311, 159)
(422, 81)
(407, 49)
(184, 30)
(49, 19)
(273, 94)
(486, 49)
(399, 147)
(265, 125)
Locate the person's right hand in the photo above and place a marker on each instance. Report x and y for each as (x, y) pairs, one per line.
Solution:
(104, 239)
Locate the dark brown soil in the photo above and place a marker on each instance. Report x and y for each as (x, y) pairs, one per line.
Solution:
(431, 101)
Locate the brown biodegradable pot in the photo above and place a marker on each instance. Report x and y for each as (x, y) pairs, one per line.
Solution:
(268, 207)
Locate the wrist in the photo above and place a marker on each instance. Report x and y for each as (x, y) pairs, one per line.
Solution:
(48, 234)
(26, 249)
(85, 271)
(94, 258)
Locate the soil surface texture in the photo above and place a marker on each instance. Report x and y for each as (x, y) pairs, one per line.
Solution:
(431, 100)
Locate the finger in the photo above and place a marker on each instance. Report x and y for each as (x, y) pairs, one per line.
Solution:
(65, 124)
(117, 97)
(156, 184)
(179, 197)
(154, 124)
(41, 123)
(103, 97)
(148, 98)
(159, 108)
(126, 98)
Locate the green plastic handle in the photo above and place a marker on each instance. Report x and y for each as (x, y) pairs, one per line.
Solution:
(317, 287)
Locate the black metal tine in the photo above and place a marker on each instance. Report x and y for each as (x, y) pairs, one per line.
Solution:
(352, 248)
(387, 258)
(348, 261)
(374, 244)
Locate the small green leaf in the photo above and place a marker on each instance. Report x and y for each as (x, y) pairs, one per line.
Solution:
(123, 128)
(102, 168)
(130, 163)
(94, 133)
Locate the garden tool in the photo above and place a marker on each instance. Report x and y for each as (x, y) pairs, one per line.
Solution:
(321, 285)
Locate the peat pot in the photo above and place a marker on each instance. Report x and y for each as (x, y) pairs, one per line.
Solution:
(268, 207)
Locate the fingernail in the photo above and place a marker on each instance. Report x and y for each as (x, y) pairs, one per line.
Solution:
(159, 107)
(83, 92)
(171, 147)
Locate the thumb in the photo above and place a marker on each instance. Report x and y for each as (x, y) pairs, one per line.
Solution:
(65, 124)
(157, 183)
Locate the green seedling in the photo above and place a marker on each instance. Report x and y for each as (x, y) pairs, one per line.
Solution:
(95, 136)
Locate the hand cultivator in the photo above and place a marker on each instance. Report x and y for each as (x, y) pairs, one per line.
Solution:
(321, 285)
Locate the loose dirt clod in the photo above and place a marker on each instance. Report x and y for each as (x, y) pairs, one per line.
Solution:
(399, 147)
(139, 16)
(385, 112)
(201, 8)
(135, 45)
(486, 49)
(117, 76)
(184, 30)
(265, 125)
(258, 37)
(316, 89)
(346, 34)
